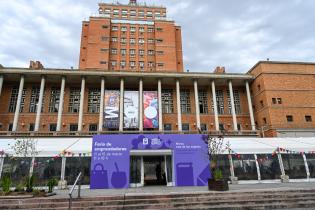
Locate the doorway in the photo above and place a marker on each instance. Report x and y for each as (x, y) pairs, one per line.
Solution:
(151, 170)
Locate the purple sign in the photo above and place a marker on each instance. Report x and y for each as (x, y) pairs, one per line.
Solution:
(110, 166)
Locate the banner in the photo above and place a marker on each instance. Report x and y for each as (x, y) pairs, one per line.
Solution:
(131, 109)
(150, 107)
(111, 113)
(110, 162)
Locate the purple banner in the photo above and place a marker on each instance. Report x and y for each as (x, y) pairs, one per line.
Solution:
(111, 112)
(110, 163)
(150, 107)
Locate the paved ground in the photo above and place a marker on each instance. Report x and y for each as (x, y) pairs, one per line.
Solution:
(171, 190)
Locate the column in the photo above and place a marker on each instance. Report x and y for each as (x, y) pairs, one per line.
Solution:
(81, 104)
(306, 166)
(1, 165)
(250, 107)
(60, 107)
(101, 118)
(197, 104)
(179, 112)
(18, 105)
(63, 168)
(257, 167)
(232, 106)
(1, 83)
(140, 105)
(121, 106)
(160, 105)
(32, 166)
(215, 106)
(40, 104)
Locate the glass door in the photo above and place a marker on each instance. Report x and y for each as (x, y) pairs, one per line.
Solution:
(135, 171)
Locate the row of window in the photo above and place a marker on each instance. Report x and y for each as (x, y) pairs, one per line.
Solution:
(132, 13)
(94, 95)
(308, 118)
(132, 52)
(133, 64)
(141, 29)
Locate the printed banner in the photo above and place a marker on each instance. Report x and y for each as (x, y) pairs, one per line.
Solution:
(110, 162)
(111, 112)
(131, 109)
(150, 107)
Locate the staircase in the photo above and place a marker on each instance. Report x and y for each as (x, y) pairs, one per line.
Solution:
(266, 199)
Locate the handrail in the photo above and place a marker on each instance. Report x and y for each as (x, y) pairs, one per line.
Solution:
(72, 189)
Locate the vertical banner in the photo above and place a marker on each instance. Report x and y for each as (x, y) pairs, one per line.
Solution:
(111, 113)
(150, 107)
(131, 109)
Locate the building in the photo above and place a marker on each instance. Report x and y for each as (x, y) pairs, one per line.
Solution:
(131, 37)
(284, 98)
(147, 94)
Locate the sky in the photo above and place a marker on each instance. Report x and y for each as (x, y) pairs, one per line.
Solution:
(231, 33)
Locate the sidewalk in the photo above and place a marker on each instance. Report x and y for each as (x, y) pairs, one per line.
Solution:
(172, 190)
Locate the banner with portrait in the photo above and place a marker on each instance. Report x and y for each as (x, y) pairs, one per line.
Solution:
(131, 109)
(111, 112)
(150, 107)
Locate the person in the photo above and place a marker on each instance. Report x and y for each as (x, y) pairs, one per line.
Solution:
(158, 171)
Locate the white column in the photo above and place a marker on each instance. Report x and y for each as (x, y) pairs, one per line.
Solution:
(281, 164)
(231, 165)
(81, 104)
(160, 105)
(257, 167)
(215, 106)
(179, 112)
(306, 166)
(1, 165)
(232, 106)
(197, 104)
(18, 105)
(1, 83)
(40, 104)
(101, 118)
(63, 168)
(32, 166)
(121, 106)
(250, 107)
(60, 107)
(140, 105)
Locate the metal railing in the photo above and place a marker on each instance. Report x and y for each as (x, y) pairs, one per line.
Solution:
(78, 179)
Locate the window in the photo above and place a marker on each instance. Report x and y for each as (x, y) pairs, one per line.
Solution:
(123, 40)
(265, 121)
(203, 127)
(32, 126)
(114, 39)
(159, 40)
(14, 97)
(113, 63)
(10, 127)
(132, 64)
(308, 118)
(104, 38)
(167, 101)
(203, 102)
(279, 100)
(160, 52)
(54, 99)
(221, 127)
(52, 127)
(141, 64)
(141, 40)
(35, 99)
(93, 127)
(237, 103)
(123, 52)
(258, 87)
(123, 28)
(185, 101)
(150, 52)
(114, 28)
(141, 52)
(94, 99)
(185, 127)
(150, 30)
(103, 62)
(150, 41)
(124, 11)
(132, 52)
(262, 103)
(274, 100)
(151, 64)
(141, 13)
(132, 41)
(141, 29)
(104, 49)
(133, 13)
(132, 29)
(73, 127)
(122, 64)
(167, 127)
(114, 51)
(220, 101)
(159, 29)
(74, 100)
(116, 12)
(160, 64)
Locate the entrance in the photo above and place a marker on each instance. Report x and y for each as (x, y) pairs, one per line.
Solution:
(151, 170)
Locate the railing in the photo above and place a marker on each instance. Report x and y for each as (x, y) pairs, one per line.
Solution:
(78, 179)
(92, 133)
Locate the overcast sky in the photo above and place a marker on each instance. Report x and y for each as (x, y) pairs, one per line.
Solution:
(231, 33)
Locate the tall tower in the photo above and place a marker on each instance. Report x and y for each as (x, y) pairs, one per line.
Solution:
(131, 37)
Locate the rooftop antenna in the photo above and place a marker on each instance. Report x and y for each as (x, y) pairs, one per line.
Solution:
(133, 2)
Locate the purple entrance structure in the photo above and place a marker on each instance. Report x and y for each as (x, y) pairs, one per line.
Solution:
(110, 163)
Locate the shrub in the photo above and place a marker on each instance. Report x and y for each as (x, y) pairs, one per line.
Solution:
(6, 184)
(19, 187)
(218, 175)
(51, 184)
